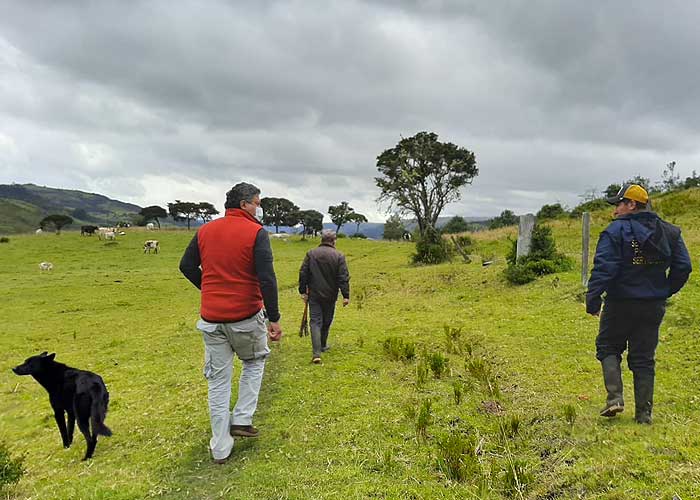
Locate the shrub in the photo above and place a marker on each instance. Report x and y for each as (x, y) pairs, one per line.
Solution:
(341, 235)
(4, 239)
(456, 456)
(543, 258)
(431, 248)
(359, 235)
(11, 469)
(438, 364)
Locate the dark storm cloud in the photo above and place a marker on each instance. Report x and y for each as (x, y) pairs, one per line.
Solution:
(157, 100)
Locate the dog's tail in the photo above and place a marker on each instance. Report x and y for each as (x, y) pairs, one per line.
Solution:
(98, 411)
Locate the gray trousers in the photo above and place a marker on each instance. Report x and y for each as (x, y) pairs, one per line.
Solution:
(321, 312)
(248, 339)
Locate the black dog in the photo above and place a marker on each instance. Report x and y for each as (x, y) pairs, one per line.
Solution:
(78, 393)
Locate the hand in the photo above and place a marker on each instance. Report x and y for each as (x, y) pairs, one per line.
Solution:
(274, 330)
(305, 297)
(346, 302)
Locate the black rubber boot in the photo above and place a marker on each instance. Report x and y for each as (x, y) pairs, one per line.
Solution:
(612, 376)
(643, 398)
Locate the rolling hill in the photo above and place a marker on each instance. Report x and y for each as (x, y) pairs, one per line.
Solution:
(22, 206)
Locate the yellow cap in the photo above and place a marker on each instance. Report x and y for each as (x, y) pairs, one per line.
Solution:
(630, 192)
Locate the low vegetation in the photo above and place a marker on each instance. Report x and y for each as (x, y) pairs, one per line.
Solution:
(514, 413)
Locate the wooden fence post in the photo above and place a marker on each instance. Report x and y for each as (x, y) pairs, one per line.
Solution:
(585, 240)
(527, 224)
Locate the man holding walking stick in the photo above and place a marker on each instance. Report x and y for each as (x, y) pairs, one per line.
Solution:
(323, 272)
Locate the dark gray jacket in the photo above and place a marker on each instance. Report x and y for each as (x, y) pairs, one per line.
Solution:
(323, 272)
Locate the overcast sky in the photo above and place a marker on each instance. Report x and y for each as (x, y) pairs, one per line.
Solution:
(149, 102)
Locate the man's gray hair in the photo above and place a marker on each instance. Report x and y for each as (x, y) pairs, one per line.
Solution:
(328, 236)
(240, 192)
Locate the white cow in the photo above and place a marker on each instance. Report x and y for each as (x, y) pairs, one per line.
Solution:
(106, 233)
(46, 266)
(38, 231)
(150, 226)
(149, 245)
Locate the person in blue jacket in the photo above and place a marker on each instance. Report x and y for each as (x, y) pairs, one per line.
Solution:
(640, 261)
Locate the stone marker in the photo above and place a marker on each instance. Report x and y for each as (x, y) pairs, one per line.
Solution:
(527, 224)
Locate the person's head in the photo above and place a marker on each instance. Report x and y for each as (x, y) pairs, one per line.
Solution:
(328, 237)
(631, 198)
(244, 196)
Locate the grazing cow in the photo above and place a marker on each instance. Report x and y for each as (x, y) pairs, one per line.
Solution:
(151, 245)
(87, 230)
(407, 236)
(38, 231)
(46, 266)
(107, 233)
(150, 226)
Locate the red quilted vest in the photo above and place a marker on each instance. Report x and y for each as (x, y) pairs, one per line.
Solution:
(230, 286)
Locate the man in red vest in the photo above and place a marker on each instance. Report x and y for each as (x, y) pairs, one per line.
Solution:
(230, 261)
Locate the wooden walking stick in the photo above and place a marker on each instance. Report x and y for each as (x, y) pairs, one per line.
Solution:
(304, 328)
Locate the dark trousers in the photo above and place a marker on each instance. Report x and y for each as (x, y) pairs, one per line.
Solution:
(322, 312)
(632, 325)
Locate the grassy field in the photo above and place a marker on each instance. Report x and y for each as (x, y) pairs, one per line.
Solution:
(367, 423)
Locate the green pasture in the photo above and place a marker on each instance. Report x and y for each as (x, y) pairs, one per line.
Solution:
(354, 427)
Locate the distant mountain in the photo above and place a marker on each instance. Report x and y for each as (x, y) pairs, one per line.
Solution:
(22, 206)
(375, 230)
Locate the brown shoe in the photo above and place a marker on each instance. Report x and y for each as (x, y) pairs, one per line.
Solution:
(316, 360)
(220, 461)
(244, 431)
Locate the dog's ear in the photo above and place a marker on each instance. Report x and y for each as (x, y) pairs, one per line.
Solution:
(43, 354)
(51, 356)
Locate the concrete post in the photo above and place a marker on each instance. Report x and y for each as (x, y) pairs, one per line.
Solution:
(527, 224)
(585, 244)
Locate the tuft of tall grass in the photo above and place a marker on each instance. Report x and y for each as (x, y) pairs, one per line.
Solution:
(569, 412)
(457, 391)
(481, 371)
(453, 338)
(397, 349)
(456, 456)
(421, 372)
(424, 419)
(11, 468)
(517, 478)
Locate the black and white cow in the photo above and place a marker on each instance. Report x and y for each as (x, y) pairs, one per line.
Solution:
(151, 245)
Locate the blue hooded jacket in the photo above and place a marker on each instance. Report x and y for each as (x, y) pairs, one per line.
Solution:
(632, 258)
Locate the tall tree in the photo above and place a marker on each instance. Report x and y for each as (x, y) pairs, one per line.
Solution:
(455, 225)
(507, 218)
(421, 175)
(394, 228)
(154, 212)
(358, 219)
(612, 190)
(311, 221)
(279, 212)
(184, 210)
(551, 211)
(206, 211)
(340, 214)
(58, 221)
